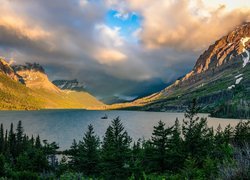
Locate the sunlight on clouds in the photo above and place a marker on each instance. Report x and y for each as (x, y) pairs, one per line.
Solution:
(109, 56)
(186, 25)
(20, 26)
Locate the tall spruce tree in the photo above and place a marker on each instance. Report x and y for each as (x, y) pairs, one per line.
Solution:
(19, 138)
(197, 136)
(116, 151)
(74, 156)
(1, 139)
(12, 141)
(89, 156)
(160, 140)
(38, 142)
(175, 154)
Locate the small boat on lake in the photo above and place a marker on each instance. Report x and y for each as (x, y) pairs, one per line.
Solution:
(105, 117)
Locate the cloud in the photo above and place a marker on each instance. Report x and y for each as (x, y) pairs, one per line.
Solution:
(109, 56)
(183, 24)
(109, 36)
(20, 27)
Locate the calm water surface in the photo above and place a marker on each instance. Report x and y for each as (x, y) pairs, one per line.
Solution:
(63, 126)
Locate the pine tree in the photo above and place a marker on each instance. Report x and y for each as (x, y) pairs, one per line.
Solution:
(175, 154)
(1, 139)
(192, 110)
(19, 138)
(160, 140)
(12, 141)
(136, 161)
(74, 156)
(89, 153)
(242, 133)
(2, 165)
(6, 143)
(197, 136)
(38, 142)
(116, 151)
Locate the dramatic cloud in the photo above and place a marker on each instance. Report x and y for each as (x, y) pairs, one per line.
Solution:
(116, 47)
(185, 24)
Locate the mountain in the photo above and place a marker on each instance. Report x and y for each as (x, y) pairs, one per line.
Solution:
(69, 85)
(28, 87)
(13, 94)
(7, 70)
(220, 80)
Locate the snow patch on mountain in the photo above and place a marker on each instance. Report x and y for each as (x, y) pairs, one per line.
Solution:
(238, 80)
(231, 87)
(246, 59)
(238, 76)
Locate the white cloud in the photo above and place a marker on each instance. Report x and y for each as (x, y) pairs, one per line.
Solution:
(109, 56)
(186, 24)
(109, 36)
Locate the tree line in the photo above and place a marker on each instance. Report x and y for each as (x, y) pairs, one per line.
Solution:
(187, 150)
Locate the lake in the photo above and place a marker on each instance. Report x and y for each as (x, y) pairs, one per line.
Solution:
(63, 126)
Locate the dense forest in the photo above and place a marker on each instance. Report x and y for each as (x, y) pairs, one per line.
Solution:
(186, 150)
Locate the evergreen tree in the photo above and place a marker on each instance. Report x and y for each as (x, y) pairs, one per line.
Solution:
(136, 161)
(192, 110)
(6, 144)
(176, 150)
(116, 151)
(12, 141)
(19, 138)
(197, 136)
(89, 153)
(242, 134)
(38, 142)
(1, 139)
(160, 140)
(2, 165)
(74, 155)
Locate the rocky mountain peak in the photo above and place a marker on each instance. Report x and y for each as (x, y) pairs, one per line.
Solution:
(236, 43)
(33, 76)
(6, 69)
(35, 67)
(69, 85)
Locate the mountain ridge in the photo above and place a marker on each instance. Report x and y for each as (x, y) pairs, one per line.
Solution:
(27, 87)
(215, 79)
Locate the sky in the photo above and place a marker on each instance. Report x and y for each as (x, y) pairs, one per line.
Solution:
(116, 47)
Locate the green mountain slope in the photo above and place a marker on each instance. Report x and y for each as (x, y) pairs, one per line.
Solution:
(220, 80)
(14, 95)
(37, 92)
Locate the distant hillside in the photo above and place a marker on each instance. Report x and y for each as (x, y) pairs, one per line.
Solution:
(13, 94)
(69, 85)
(26, 87)
(220, 80)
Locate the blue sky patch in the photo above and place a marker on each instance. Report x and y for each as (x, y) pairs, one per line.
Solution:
(128, 23)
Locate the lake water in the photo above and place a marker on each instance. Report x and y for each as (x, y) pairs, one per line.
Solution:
(63, 126)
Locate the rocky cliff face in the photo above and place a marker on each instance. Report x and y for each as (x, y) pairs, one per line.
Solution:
(33, 76)
(224, 50)
(6, 69)
(230, 51)
(69, 85)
